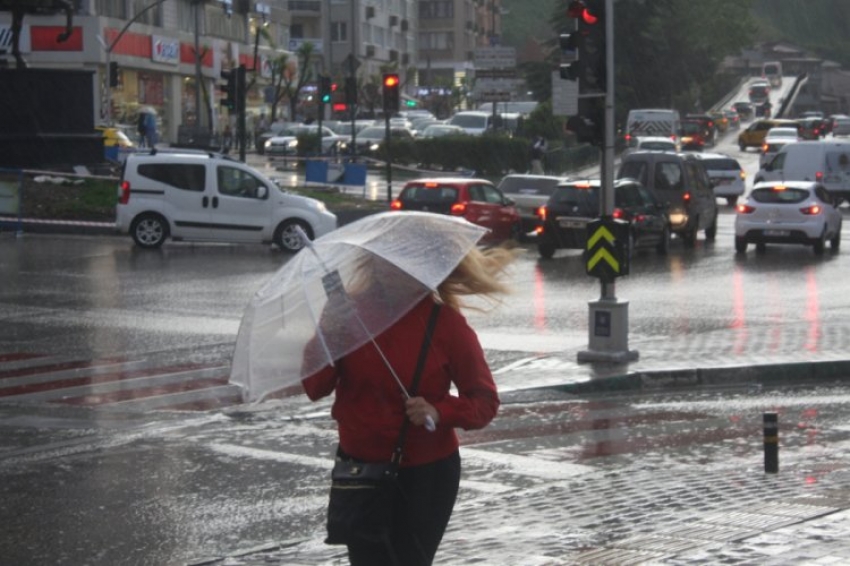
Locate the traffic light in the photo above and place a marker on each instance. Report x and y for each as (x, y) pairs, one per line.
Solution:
(113, 74)
(325, 89)
(585, 47)
(391, 93)
(234, 89)
(230, 89)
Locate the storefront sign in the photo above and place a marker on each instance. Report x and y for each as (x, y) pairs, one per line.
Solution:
(165, 50)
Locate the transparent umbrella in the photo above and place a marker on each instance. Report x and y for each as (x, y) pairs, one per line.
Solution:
(341, 291)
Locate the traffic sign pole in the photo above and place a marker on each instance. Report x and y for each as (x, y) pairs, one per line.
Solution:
(608, 326)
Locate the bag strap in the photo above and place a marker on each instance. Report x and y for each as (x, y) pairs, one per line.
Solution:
(417, 374)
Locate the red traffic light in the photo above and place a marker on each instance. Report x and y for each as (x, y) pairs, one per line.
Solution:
(578, 9)
(390, 81)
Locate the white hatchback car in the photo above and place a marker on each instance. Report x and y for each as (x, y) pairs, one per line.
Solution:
(654, 143)
(208, 197)
(794, 212)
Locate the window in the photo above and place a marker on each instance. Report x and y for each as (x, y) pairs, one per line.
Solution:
(491, 195)
(151, 17)
(177, 175)
(237, 182)
(668, 176)
(339, 31)
(634, 170)
(440, 9)
(436, 40)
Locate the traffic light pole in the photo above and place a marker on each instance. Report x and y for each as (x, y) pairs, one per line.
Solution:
(608, 324)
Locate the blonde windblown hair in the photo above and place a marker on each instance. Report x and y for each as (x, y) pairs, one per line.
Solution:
(481, 272)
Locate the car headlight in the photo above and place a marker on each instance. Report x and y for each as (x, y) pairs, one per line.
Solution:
(374, 147)
(292, 143)
(268, 144)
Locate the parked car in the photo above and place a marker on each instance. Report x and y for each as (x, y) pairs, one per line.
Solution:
(726, 175)
(274, 129)
(476, 200)
(564, 218)
(285, 144)
(755, 133)
(209, 197)
(826, 161)
(776, 139)
(681, 182)
(795, 212)
(529, 192)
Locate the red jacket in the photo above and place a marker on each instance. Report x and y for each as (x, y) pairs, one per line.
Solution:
(369, 405)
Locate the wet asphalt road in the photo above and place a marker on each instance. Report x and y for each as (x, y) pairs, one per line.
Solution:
(555, 477)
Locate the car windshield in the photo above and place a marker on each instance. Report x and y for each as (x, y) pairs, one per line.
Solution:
(528, 185)
(469, 121)
(431, 195)
(372, 133)
(691, 128)
(775, 195)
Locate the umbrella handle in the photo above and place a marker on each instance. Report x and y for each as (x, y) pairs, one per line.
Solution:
(429, 424)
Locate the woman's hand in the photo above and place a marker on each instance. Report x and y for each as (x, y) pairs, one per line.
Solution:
(418, 410)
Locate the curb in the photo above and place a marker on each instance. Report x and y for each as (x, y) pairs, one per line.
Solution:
(768, 375)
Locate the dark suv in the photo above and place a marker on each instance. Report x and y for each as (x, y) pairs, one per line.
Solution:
(681, 182)
(564, 218)
(709, 126)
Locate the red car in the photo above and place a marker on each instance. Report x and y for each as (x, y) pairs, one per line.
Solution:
(476, 200)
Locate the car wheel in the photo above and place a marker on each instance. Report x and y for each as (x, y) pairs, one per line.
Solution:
(516, 232)
(731, 201)
(742, 147)
(149, 231)
(835, 242)
(740, 245)
(689, 236)
(546, 251)
(287, 236)
(664, 244)
(820, 243)
(711, 231)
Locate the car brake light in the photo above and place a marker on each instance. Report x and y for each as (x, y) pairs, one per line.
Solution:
(541, 212)
(582, 185)
(431, 185)
(813, 210)
(686, 197)
(618, 213)
(746, 209)
(764, 148)
(396, 205)
(125, 192)
(819, 176)
(458, 208)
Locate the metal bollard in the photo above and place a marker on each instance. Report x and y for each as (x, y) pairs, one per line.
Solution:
(771, 443)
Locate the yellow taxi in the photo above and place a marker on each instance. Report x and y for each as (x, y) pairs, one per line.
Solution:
(755, 133)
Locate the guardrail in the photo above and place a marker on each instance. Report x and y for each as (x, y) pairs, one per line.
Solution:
(788, 101)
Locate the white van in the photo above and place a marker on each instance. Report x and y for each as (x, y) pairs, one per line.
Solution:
(656, 122)
(826, 162)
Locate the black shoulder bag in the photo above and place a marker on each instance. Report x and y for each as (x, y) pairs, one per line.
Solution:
(363, 493)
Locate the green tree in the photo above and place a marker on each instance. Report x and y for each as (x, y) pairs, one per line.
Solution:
(289, 77)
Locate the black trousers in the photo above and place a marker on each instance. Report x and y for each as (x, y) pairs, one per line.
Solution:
(422, 512)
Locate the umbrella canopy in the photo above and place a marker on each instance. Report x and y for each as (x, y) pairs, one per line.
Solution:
(343, 290)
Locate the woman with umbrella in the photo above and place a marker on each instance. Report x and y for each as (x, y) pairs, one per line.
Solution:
(370, 408)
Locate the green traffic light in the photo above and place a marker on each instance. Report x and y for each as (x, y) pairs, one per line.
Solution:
(410, 103)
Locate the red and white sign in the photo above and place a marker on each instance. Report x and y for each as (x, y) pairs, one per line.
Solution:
(165, 50)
